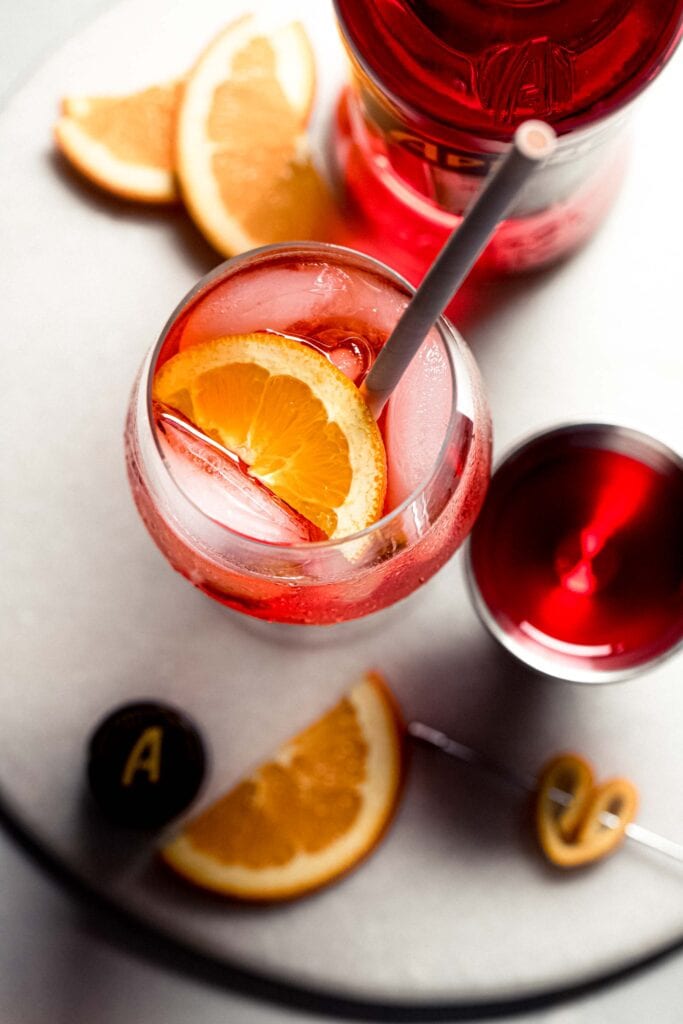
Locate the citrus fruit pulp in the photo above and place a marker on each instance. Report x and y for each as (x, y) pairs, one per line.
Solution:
(309, 814)
(297, 422)
(124, 144)
(222, 490)
(242, 159)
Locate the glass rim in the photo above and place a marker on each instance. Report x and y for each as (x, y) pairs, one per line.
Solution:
(448, 335)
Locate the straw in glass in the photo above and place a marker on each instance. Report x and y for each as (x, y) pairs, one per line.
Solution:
(533, 143)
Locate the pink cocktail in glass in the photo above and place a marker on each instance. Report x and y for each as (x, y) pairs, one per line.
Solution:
(228, 537)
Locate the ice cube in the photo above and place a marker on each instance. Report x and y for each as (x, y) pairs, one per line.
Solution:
(225, 492)
(256, 301)
(417, 419)
(282, 296)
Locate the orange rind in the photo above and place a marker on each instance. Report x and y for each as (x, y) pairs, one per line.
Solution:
(574, 834)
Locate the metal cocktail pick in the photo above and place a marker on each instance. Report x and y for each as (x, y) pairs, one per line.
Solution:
(533, 143)
(529, 783)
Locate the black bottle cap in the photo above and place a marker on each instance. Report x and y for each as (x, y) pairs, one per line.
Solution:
(146, 762)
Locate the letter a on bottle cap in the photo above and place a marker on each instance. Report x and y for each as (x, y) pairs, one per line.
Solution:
(146, 763)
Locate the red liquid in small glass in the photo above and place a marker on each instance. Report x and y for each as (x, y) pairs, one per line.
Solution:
(581, 552)
(440, 85)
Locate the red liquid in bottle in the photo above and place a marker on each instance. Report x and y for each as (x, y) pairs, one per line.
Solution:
(578, 555)
(439, 87)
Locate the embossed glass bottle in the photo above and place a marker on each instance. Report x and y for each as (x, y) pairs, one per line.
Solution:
(438, 87)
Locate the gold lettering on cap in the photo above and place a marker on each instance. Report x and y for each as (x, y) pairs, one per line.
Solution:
(145, 756)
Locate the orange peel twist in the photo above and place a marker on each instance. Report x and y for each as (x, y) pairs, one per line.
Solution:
(575, 834)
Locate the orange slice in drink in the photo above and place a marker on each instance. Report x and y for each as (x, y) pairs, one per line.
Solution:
(124, 144)
(308, 815)
(300, 425)
(243, 163)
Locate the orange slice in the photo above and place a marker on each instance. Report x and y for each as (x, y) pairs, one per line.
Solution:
(572, 835)
(308, 815)
(124, 144)
(300, 425)
(243, 163)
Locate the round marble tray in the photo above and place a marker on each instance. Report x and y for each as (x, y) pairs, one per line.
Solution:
(456, 905)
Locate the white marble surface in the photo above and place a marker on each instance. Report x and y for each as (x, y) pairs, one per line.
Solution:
(42, 937)
(52, 971)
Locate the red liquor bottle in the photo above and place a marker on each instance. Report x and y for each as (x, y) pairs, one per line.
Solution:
(438, 87)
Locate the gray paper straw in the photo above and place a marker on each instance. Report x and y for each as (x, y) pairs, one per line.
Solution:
(533, 143)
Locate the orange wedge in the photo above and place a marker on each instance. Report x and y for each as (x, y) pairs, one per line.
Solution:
(124, 144)
(243, 163)
(300, 425)
(308, 815)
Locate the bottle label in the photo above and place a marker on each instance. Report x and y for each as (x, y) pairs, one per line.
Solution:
(455, 164)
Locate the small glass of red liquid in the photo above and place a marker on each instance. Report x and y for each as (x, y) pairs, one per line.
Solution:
(576, 561)
(437, 90)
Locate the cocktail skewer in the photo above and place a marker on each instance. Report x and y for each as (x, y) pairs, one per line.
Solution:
(529, 783)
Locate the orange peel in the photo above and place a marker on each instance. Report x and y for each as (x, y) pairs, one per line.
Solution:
(573, 835)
